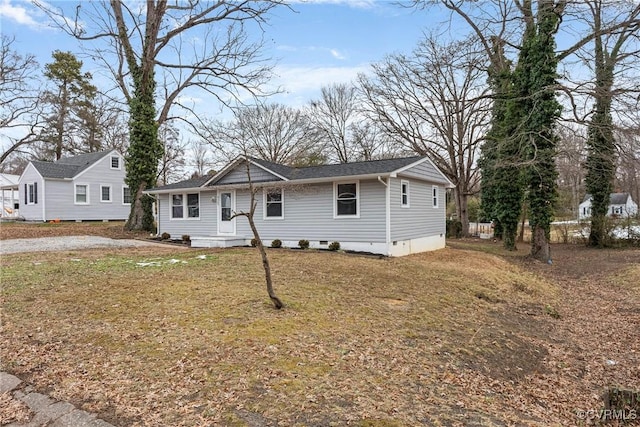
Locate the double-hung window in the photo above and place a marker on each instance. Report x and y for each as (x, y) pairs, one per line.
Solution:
(115, 162)
(346, 199)
(404, 194)
(273, 203)
(82, 194)
(105, 193)
(126, 196)
(185, 206)
(32, 191)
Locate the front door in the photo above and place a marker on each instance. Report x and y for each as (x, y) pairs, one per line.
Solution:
(226, 207)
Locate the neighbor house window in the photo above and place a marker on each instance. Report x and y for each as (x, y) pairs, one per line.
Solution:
(404, 194)
(126, 195)
(115, 162)
(346, 196)
(434, 195)
(33, 193)
(105, 193)
(82, 194)
(273, 203)
(190, 209)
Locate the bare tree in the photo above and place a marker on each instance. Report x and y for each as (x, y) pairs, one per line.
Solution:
(196, 45)
(435, 103)
(348, 134)
(171, 166)
(570, 165)
(272, 132)
(19, 100)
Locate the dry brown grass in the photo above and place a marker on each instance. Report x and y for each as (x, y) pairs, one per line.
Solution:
(453, 337)
(196, 341)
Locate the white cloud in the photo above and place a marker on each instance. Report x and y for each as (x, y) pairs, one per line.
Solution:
(302, 84)
(19, 14)
(336, 54)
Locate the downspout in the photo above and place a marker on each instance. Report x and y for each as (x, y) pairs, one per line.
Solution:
(44, 199)
(157, 211)
(387, 203)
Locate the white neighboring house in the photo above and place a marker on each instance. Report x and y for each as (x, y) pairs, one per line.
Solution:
(86, 187)
(620, 205)
(393, 207)
(9, 196)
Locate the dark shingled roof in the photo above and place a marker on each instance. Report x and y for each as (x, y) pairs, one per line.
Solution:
(370, 167)
(189, 183)
(68, 167)
(614, 198)
(341, 169)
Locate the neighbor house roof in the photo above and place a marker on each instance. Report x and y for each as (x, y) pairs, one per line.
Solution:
(307, 173)
(614, 198)
(68, 167)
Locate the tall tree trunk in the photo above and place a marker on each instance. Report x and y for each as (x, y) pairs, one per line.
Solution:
(462, 211)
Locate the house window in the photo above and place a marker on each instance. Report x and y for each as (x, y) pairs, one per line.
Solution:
(189, 210)
(176, 206)
(115, 162)
(346, 196)
(434, 195)
(105, 193)
(193, 205)
(274, 203)
(126, 195)
(33, 193)
(404, 194)
(82, 194)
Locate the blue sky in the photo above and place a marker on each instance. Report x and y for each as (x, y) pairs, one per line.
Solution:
(321, 42)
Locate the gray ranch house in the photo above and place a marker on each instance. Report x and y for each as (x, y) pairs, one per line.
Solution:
(86, 187)
(392, 207)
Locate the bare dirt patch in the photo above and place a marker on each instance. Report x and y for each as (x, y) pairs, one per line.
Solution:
(26, 230)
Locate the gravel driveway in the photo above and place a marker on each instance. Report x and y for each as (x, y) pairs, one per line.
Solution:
(66, 243)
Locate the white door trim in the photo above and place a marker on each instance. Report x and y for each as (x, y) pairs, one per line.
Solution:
(227, 228)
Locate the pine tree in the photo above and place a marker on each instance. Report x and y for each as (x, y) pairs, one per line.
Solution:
(71, 97)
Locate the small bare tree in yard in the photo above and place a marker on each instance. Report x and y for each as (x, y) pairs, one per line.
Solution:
(256, 235)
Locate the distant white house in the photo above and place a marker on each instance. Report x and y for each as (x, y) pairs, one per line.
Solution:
(620, 205)
(9, 196)
(79, 188)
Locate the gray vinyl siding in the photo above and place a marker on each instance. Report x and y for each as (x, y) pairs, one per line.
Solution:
(206, 225)
(31, 212)
(239, 175)
(308, 214)
(60, 195)
(420, 219)
(424, 171)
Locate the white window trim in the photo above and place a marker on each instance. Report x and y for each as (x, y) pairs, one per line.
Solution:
(435, 198)
(75, 193)
(335, 199)
(111, 162)
(264, 205)
(185, 207)
(122, 193)
(408, 204)
(31, 201)
(110, 193)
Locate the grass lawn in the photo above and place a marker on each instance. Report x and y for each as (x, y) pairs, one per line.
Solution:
(160, 336)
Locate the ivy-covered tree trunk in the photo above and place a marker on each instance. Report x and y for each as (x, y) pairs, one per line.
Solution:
(601, 148)
(144, 151)
(543, 112)
(500, 81)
